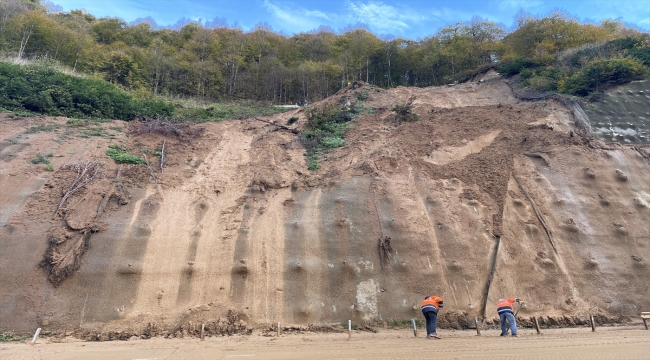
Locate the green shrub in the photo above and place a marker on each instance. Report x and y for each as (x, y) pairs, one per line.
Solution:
(526, 73)
(333, 141)
(544, 78)
(601, 74)
(312, 163)
(362, 95)
(49, 167)
(7, 337)
(609, 49)
(642, 54)
(292, 120)
(40, 160)
(405, 112)
(513, 67)
(45, 90)
(121, 156)
(325, 129)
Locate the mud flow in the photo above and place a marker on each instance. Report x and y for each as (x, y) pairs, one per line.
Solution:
(484, 196)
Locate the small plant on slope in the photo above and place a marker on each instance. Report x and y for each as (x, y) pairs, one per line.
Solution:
(120, 155)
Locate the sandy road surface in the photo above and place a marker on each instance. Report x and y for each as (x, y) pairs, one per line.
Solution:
(607, 343)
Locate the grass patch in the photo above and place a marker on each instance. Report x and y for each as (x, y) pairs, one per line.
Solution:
(49, 167)
(325, 129)
(96, 131)
(292, 120)
(21, 113)
(312, 162)
(362, 96)
(10, 337)
(199, 112)
(40, 160)
(404, 112)
(121, 156)
(44, 128)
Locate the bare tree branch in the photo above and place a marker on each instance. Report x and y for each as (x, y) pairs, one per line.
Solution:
(162, 156)
(82, 179)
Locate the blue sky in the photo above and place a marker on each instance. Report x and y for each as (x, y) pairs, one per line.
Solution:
(411, 19)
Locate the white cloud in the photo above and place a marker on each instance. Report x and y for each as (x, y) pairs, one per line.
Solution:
(314, 13)
(299, 19)
(519, 4)
(382, 17)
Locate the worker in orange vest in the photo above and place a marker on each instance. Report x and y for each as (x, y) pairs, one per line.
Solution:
(504, 308)
(430, 307)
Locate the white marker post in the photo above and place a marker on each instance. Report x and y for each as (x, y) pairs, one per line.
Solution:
(38, 331)
(278, 329)
(415, 328)
(349, 329)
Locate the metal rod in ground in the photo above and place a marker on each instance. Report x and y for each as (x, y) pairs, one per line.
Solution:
(478, 329)
(202, 331)
(349, 329)
(415, 328)
(38, 331)
(593, 324)
(278, 329)
(536, 325)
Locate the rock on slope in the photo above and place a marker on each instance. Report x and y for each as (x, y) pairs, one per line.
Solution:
(236, 221)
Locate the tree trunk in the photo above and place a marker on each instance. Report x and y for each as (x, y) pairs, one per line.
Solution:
(23, 41)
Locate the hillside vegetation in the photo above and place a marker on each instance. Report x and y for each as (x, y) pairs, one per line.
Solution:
(554, 52)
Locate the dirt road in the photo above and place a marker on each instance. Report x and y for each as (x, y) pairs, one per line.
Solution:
(578, 343)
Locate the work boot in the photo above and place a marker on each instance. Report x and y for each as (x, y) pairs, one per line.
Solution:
(436, 336)
(515, 335)
(504, 334)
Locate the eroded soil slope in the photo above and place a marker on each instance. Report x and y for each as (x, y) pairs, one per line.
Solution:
(235, 232)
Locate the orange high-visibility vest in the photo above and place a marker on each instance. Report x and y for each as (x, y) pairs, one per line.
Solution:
(433, 303)
(505, 305)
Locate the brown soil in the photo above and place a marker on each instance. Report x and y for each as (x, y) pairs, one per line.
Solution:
(575, 343)
(235, 226)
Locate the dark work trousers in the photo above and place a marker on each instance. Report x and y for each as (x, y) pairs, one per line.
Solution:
(431, 318)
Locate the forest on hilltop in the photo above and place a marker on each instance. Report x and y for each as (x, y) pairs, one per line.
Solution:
(221, 62)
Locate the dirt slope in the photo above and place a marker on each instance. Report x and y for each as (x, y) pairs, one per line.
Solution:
(236, 221)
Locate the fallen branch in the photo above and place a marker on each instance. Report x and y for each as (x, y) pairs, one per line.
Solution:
(294, 131)
(82, 179)
(108, 195)
(155, 178)
(196, 133)
(162, 156)
(157, 126)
